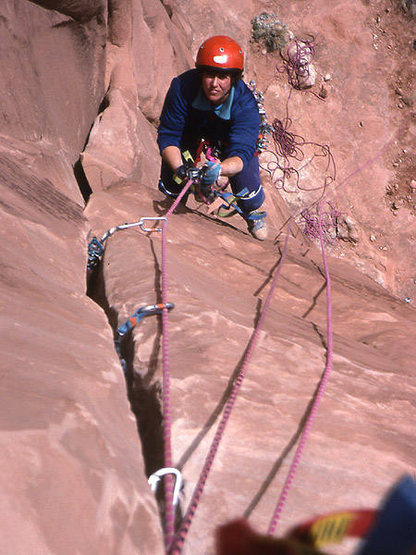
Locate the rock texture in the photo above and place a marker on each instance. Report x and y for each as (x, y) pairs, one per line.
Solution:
(72, 475)
(83, 87)
(365, 62)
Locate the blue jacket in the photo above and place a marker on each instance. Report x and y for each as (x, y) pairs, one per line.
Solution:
(188, 116)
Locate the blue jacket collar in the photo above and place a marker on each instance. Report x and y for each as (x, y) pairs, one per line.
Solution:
(223, 111)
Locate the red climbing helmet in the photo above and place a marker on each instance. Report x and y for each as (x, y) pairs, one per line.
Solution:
(220, 52)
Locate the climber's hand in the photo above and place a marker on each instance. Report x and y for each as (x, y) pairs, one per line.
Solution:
(181, 173)
(211, 172)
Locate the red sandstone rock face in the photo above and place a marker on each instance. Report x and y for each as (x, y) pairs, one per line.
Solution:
(366, 53)
(72, 476)
(73, 472)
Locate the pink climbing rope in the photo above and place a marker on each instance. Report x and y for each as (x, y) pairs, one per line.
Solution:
(322, 385)
(180, 537)
(167, 413)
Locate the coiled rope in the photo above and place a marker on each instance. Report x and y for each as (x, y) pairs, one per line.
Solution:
(178, 542)
(296, 65)
(289, 145)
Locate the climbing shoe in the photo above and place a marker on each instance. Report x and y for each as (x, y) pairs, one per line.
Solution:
(257, 226)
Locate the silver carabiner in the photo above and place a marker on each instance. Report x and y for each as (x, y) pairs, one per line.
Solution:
(154, 480)
(147, 229)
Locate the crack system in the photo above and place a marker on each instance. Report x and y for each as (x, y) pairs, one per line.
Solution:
(143, 393)
(144, 397)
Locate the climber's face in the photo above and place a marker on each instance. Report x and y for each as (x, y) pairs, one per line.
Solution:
(216, 86)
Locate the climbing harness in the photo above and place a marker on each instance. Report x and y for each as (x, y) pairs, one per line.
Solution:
(210, 194)
(96, 246)
(334, 527)
(389, 529)
(132, 322)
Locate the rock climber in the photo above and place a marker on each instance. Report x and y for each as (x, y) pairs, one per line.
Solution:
(213, 102)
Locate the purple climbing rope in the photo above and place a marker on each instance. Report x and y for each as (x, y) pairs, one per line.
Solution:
(322, 385)
(180, 537)
(296, 62)
(326, 222)
(167, 414)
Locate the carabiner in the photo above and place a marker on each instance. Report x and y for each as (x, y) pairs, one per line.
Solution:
(154, 480)
(147, 229)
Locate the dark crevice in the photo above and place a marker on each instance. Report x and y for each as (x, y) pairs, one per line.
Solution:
(144, 398)
(96, 292)
(143, 392)
(145, 403)
(79, 173)
(80, 176)
(82, 181)
(168, 9)
(105, 103)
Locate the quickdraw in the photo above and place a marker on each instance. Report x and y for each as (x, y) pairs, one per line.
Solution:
(140, 314)
(263, 141)
(132, 322)
(96, 246)
(155, 478)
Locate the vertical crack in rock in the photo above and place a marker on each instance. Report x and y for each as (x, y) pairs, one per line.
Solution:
(82, 181)
(144, 398)
(79, 173)
(143, 393)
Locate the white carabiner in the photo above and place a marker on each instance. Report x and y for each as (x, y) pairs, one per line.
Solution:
(154, 480)
(147, 229)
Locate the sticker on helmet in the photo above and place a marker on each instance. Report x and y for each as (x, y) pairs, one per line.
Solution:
(220, 59)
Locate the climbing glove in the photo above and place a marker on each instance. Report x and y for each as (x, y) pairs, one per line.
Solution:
(181, 173)
(211, 172)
